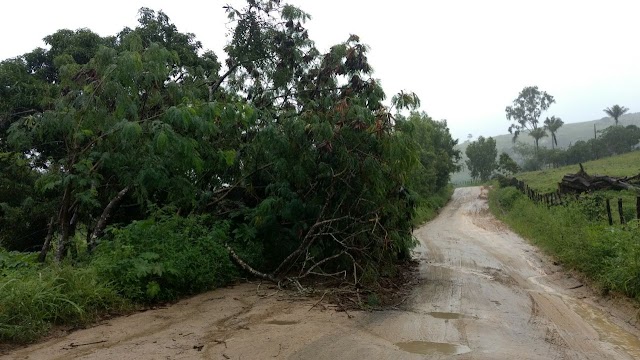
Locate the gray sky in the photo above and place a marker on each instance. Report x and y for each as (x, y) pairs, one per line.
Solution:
(467, 59)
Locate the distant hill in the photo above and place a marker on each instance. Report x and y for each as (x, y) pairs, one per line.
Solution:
(567, 135)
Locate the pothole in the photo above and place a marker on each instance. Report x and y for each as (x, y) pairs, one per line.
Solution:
(282, 322)
(432, 348)
(448, 315)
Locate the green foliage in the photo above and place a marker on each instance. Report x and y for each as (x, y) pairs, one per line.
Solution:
(160, 259)
(437, 156)
(553, 124)
(607, 255)
(482, 155)
(428, 209)
(615, 112)
(506, 198)
(506, 165)
(287, 155)
(525, 112)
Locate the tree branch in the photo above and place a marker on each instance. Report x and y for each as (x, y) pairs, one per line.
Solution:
(102, 221)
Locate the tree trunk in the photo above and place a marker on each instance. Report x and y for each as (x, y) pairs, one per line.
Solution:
(63, 222)
(72, 231)
(47, 242)
(102, 221)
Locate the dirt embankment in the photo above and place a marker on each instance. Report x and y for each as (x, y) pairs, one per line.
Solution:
(485, 294)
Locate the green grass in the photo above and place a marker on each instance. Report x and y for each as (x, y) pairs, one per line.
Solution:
(578, 233)
(33, 298)
(628, 164)
(547, 180)
(428, 209)
(156, 260)
(577, 237)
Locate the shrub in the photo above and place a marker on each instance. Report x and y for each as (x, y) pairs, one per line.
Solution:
(162, 258)
(507, 197)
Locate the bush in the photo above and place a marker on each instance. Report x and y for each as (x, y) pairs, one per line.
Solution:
(160, 259)
(507, 197)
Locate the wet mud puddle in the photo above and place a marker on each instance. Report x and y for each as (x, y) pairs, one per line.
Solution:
(436, 348)
(448, 315)
(607, 330)
(282, 322)
(432, 348)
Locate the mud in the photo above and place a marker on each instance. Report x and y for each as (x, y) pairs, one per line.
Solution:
(433, 348)
(485, 294)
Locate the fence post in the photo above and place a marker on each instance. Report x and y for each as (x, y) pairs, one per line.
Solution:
(620, 211)
(609, 213)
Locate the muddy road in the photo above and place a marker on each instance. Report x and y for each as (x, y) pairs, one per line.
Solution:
(485, 294)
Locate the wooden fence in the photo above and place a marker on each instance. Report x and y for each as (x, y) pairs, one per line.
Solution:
(557, 198)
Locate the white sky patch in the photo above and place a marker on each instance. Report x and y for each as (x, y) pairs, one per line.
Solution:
(466, 59)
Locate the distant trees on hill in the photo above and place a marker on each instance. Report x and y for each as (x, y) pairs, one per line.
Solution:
(614, 140)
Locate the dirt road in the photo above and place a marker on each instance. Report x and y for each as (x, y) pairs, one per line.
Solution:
(486, 294)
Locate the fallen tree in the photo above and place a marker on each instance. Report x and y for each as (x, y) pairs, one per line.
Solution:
(582, 182)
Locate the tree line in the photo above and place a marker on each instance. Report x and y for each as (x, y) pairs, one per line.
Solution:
(525, 114)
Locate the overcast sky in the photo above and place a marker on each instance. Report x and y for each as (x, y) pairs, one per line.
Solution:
(466, 60)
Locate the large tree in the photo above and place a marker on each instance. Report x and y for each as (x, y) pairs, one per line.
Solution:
(552, 124)
(526, 111)
(481, 156)
(289, 153)
(616, 111)
(506, 165)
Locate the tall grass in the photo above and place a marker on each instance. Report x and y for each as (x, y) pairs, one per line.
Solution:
(427, 209)
(576, 236)
(33, 299)
(156, 260)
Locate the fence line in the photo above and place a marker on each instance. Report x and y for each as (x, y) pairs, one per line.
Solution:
(556, 198)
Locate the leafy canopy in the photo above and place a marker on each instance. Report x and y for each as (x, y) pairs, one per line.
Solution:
(526, 111)
(482, 155)
(616, 111)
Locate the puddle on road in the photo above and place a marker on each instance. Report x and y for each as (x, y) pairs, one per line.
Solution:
(448, 315)
(607, 330)
(432, 348)
(282, 322)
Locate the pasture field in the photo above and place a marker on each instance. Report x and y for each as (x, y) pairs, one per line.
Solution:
(547, 180)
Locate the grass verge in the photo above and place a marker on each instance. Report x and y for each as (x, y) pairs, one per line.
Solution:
(428, 209)
(33, 299)
(577, 237)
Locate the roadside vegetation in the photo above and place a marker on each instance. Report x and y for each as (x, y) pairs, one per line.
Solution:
(138, 168)
(578, 234)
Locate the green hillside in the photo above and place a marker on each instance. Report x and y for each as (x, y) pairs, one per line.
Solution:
(567, 135)
(547, 180)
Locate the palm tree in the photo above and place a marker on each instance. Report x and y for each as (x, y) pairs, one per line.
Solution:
(616, 111)
(553, 124)
(537, 134)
